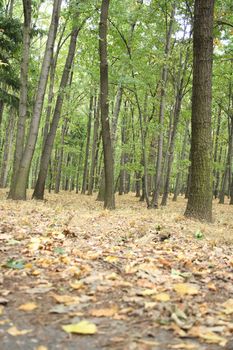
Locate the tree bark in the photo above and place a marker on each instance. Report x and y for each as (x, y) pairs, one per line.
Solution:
(94, 146)
(158, 177)
(25, 162)
(199, 204)
(20, 133)
(47, 150)
(85, 170)
(109, 200)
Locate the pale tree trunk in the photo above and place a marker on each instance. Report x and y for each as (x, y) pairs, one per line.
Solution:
(182, 157)
(8, 148)
(227, 172)
(94, 145)
(176, 118)
(109, 200)
(216, 149)
(60, 156)
(199, 204)
(20, 133)
(47, 150)
(85, 170)
(25, 162)
(164, 78)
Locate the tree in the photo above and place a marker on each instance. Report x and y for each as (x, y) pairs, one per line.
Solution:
(109, 200)
(200, 196)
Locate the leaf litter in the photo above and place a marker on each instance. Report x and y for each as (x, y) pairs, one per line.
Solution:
(130, 278)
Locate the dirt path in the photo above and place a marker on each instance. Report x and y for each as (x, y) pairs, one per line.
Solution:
(146, 279)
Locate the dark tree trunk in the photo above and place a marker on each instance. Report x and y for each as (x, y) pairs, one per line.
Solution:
(200, 197)
(109, 200)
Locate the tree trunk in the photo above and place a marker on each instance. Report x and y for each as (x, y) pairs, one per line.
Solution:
(158, 177)
(182, 157)
(7, 148)
(109, 200)
(60, 156)
(85, 171)
(94, 146)
(25, 162)
(215, 182)
(20, 133)
(47, 150)
(199, 204)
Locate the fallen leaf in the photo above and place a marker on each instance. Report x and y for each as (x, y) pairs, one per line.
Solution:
(15, 331)
(111, 258)
(76, 285)
(186, 288)
(228, 307)
(162, 297)
(185, 346)
(83, 327)
(1, 310)
(41, 347)
(208, 335)
(66, 299)
(28, 307)
(108, 312)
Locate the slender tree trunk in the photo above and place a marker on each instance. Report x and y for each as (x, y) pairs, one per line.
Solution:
(199, 204)
(60, 156)
(94, 146)
(25, 162)
(158, 177)
(85, 171)
(109, 200)
(227, 171)
(20, 134)
(182, 157)
(47, 150)
(216, 153)
(79, 167)
(7, 148)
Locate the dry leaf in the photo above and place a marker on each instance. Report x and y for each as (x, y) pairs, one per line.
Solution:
(28, 307)
(108, 312)
(15, 331)
(162, 297)
(41, 347)
(208, 335)
(66, 299)
(186, 289)
(184, 346)
(1, 310)
(76, 285)
(228, 307)
(83, 327)
(111, 258)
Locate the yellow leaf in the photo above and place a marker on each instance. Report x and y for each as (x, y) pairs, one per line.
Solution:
(111, 258)
(186, 288)
(15, 331)
(208, 335)
(83, 327)
(228, 307)
(41, 347)
(76, 285)
(162, 297)
(104, 312)
(28, 307)
(184, 346)
(1, 310)
(148, 292)
(66, 299)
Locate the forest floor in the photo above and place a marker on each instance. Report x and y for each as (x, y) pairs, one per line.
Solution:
(129, 279)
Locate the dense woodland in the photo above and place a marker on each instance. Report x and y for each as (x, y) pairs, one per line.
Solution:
(97, 97)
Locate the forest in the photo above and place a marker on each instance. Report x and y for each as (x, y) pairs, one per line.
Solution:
(116, 174)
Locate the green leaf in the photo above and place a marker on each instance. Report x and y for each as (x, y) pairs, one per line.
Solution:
(15, 264)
